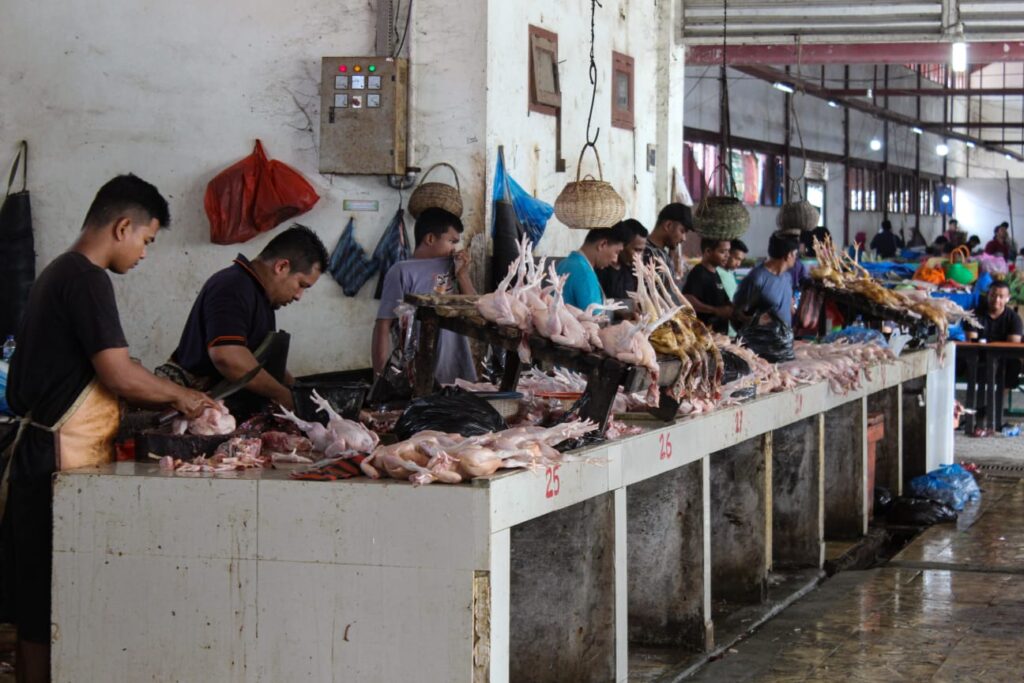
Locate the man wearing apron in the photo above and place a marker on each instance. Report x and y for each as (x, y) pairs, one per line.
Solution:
(67, 379)
(233, 314)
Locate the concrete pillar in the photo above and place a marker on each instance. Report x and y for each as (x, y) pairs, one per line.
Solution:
(562, 611)
(665, 527)
(846, 471)
(889, 451)
(915, 429)
(740, 522)
(797, 494)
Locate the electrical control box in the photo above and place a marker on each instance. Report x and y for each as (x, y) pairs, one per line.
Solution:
(363, 115)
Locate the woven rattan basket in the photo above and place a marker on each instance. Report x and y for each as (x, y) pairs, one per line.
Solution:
(589, 203)
(723, 218)
(436, 195)
(797, 216)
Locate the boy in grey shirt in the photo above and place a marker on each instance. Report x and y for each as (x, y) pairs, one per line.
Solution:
(435, 268)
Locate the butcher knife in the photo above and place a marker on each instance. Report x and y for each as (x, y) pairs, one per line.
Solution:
(221, 390)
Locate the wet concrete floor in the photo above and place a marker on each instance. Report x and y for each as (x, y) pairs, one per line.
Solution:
(949, 607)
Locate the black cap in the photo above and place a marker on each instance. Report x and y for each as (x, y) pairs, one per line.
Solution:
(679, 213)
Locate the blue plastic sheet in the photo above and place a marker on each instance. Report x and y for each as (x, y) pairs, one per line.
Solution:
(532, 213)
(880, 269)
(951, 485)
(857, 335)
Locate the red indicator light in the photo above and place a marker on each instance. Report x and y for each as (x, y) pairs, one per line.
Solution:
(342, 68)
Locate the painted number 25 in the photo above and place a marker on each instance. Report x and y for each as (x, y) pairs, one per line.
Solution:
(665, 443)
(554, 483)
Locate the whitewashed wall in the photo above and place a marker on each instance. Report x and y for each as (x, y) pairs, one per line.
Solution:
(630, 27)
(981, 205)
(175, 92)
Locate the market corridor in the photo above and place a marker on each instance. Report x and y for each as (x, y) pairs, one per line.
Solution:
(949, 607)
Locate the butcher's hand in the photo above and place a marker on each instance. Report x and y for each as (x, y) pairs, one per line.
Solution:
(191, 403)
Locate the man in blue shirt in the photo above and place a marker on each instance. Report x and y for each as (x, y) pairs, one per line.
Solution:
(768, 286)
(600, 249)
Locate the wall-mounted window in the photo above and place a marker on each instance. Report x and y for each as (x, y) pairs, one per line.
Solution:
(865, 189)
(623, 104)
(545, 90)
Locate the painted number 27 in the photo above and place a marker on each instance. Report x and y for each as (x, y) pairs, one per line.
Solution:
(665, 443)
(554, 483)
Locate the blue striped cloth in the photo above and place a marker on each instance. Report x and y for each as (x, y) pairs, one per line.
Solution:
(349, 265)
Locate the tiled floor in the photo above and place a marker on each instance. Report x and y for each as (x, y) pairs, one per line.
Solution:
(950, 607)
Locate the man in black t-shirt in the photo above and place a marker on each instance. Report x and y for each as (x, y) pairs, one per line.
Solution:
(703, 287)
(996, 321)
(234, 312)
(69, 372)
(618, 279)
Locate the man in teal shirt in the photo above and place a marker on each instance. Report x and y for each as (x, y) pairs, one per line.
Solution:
(600, 249)
(737, 252)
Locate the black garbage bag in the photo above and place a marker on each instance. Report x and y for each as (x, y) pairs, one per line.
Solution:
(919, 512)
(734, 367)
(769, 336)
(883, 499)
(452, 410)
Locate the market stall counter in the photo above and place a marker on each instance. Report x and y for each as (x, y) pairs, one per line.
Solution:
(634, 560)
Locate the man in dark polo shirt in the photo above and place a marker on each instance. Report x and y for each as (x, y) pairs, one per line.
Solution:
(997, 322)
(235, 312)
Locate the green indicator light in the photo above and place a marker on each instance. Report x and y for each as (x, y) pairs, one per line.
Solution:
(372, 68)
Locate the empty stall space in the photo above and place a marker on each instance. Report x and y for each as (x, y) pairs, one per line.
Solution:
(562, 605)
(884, 417)
(846, 472)
(669, 614)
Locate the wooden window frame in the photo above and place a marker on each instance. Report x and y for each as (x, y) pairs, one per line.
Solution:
(623, 64)
(536, 32)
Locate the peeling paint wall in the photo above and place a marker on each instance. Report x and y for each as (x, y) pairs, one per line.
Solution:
(175, 92)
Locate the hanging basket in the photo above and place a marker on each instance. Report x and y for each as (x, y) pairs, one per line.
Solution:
(588, 203)
(436, 195)
(722, 218)
(795, 217)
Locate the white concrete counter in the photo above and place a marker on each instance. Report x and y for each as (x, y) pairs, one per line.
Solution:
(258, 577)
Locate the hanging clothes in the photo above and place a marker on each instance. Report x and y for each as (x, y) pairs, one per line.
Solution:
(392, 248)
(17, 247)
(349, 265)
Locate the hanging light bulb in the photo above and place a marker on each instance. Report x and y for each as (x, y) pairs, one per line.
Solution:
(942, 149)
(875, 144)
(958, 56)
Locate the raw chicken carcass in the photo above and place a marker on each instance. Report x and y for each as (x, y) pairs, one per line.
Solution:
(281, 442)
(317, 433)
(211, 422)
(346, 434)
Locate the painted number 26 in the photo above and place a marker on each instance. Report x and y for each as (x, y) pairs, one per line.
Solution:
(665, 442)
(554, 483)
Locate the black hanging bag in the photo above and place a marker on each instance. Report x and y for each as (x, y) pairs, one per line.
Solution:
(17, 248)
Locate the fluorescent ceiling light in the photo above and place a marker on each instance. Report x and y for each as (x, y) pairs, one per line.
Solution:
(833, 104)
(1010, 157)
(942, 149)
(875, 144)
(970, 145)
(958, 56)
(916, 131)
(784, 87)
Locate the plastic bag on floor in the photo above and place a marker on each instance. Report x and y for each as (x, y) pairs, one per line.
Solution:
(918, 512)
(950, 484)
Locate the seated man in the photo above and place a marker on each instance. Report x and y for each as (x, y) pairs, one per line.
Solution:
(435, 268)
(618, 279)
(997, 322)
(233, 314)
(601, 248)
(704, 289)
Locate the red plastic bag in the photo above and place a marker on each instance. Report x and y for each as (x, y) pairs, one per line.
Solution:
(253, 196)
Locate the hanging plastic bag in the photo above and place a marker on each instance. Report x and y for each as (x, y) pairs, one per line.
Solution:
(392, 248)
(950, 485)
(253, 196)
(532, 213)
(17, 247)
(349, 265)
